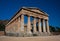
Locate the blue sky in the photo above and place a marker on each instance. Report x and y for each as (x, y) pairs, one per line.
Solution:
(52, 7)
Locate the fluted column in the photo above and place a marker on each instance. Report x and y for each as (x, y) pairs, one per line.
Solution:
(39, 25)
(44, 27)
(18, 24)
(22, 22)
(19, 19)
(34, 25)
(47, 24)
(29, 26)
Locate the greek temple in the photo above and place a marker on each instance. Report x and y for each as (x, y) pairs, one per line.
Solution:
(37, 23)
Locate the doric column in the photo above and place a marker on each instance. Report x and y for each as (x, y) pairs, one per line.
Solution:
(44, 27)
(34, 25)
(29, 25)
(19, 19)
(39, 25)
(22, 22)
(18, 24)
(47, 24)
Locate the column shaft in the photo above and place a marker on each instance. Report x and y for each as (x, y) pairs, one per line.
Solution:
(34, 25)
(18, 24)
(29, 25)
(39, 25)
(44, 27)
(22, 22)
(47, 26)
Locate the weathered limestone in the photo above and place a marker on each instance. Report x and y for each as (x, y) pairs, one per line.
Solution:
(44, 27)
(29, 33)
(19, 29)
(39, 25)
(34, 26)
(48, 31)
(18, 22)
(22, 25)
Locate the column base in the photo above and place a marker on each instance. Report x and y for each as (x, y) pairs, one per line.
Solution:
(49, 33)
(40, 33)
(28, 34)
(35, 34)
(43, 34)
(21, 34)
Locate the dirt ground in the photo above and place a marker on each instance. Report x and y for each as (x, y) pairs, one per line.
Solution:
(38, 38)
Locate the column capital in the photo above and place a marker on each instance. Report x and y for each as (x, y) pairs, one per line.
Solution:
(46, 19)
(28, 15)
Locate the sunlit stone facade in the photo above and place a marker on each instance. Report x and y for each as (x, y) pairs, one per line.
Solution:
(38, 26)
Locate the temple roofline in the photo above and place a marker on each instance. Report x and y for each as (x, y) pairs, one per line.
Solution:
(27, 8)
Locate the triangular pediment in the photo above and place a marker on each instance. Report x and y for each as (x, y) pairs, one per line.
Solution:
(34, 9)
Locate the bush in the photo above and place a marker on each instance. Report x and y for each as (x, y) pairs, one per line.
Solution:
(2, 27)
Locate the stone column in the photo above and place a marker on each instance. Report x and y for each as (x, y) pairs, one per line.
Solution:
(39, 25)
(29, 26)
(22, 26)
(22, 23)
(19, 19)
(18, 24)
(34, 31)
(44, 27)
(47, 24)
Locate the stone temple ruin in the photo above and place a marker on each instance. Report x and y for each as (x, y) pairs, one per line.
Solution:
(37, 27)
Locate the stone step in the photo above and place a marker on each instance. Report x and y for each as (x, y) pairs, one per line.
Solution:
(44, 34)
(27, 35)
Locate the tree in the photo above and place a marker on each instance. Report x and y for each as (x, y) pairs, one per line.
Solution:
(58, 29)
(52, 29)
(2, 27)
(2, 24)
